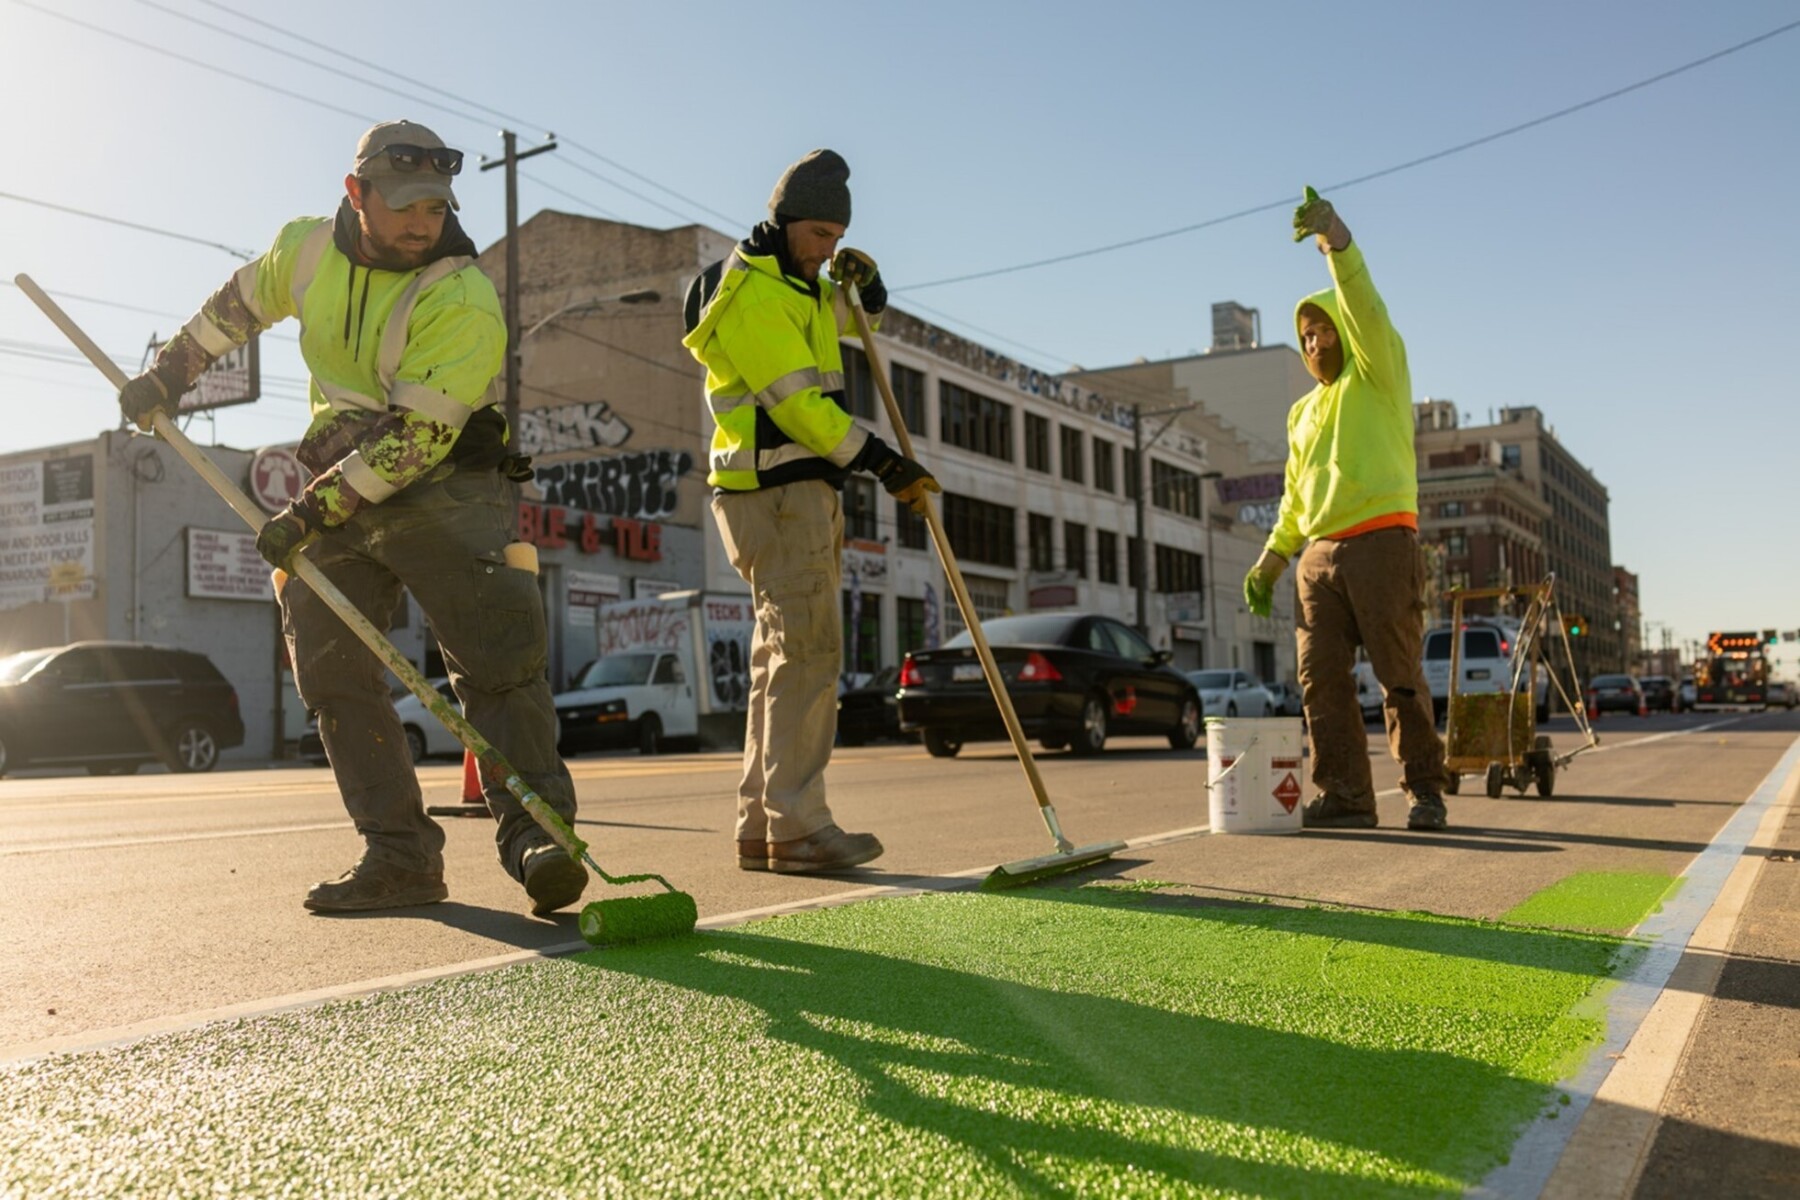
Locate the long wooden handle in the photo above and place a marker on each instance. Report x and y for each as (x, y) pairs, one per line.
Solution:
(941, 539)
(314, 578)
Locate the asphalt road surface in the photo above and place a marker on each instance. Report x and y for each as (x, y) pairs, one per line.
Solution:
(145, 902)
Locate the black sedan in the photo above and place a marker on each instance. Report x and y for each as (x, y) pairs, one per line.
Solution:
(1074, 679)
(871, 711)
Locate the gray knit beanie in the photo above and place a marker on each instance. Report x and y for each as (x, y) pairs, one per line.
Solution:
(814, 189)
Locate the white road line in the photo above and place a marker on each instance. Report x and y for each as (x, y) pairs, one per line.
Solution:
(165, 839)
(1596, 1145)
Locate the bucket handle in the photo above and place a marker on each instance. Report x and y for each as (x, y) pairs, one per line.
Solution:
(1213, 783)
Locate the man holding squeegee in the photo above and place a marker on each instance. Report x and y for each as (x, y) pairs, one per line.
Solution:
(403, 336)
(766, 328)
(1352, 500)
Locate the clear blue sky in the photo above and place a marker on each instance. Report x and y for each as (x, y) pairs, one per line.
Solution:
(1629, 269)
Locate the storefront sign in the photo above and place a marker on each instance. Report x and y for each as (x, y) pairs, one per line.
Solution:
(46, 525)
(224, 565)
(554, 527)
(276, 478)
(587, 592)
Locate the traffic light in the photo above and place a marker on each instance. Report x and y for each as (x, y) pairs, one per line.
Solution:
(1771, 637)
(1576, 626)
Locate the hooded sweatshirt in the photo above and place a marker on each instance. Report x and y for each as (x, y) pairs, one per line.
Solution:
(1350, 463)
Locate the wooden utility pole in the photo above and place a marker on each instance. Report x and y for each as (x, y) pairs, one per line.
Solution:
(510, 160)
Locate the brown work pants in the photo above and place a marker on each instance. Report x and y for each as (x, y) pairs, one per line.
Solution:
(787, 542)
(1365, 591)
(442, 539)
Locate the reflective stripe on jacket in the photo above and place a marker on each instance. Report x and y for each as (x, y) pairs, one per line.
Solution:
(774, 377)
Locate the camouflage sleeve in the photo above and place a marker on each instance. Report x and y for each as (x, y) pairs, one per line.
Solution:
(397, 449)
(254, 298)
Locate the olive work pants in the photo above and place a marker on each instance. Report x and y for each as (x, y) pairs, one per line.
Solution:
(442, 539)
(787, 542)
(1366, 591)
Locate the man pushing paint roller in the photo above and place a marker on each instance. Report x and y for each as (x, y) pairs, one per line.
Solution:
(1352, 500)
(403, 336)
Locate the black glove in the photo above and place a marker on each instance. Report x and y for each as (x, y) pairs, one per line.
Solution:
(907, 481)
(146, 394)
(287, 532)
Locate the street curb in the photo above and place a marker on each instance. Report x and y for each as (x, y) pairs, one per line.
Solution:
(1595, 1147)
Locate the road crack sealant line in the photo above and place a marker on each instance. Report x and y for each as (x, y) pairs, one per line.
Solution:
(1539, 1150)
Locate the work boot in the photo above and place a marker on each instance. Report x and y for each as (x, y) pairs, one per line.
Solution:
(1331, 812)
(553, 880)
(829, 849)
(370, 885)
(1428, 812)
(753, 854)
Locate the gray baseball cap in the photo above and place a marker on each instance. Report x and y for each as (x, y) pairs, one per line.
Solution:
(398, 185)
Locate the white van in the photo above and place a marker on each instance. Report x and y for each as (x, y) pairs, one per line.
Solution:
(1486, 666)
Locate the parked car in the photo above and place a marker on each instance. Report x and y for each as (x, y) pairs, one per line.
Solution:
(1370, 695)
(637, 698)
(1284, 699)
(1486, 663)
(1783, 693)
(426, 736)
(1074, 679)
(1615, 693)
(871, 710)
(114, 706)
(1232, 694)
(1659, 693)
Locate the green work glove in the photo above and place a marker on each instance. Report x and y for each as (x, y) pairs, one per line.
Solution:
(853, 266)
(1259, 584)
(145, 395)
(1317, 217)
(288, 532)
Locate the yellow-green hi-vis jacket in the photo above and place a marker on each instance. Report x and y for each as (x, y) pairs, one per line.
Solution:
(774, 374)
(401, 361)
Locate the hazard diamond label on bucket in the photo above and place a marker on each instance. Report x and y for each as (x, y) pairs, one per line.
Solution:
(1288, 791)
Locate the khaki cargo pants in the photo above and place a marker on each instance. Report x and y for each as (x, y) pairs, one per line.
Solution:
(443, 540)
(1365, 591)
(787, 542)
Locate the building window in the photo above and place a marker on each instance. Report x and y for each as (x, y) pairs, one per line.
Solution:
(1040, 538)
(1134, 478)
(909, 527)
(981, 532)
(862, 638)
(1071, 454)
(975, 422)
(859, 386)
(1509, 457)
(990, 597)
(1178, 570)
(1103, 465)
(1037, 443)
(1106, 555)
(1174, 489)
(909, 624)
(1456, 543)
(860, 520)
(1134, 562)
(909, 394)
(1075, 548)
(1450, 508)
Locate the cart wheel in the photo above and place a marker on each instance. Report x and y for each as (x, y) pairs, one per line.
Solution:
(1452, 781)
(1496, 780)
(1543, 769)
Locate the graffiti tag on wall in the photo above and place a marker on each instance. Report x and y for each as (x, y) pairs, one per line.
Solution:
(641, 625)
(571, 427)
(642, 484)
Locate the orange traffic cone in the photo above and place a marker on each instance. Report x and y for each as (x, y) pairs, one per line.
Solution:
(473, 804)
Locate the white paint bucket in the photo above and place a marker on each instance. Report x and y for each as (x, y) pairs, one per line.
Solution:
(1254, 779)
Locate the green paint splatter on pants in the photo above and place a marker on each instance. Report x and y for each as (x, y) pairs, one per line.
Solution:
(1035, 1043)
(1598, 900)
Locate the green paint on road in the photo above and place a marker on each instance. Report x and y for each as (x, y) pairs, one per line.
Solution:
(1044, 1042)
(1597, 900)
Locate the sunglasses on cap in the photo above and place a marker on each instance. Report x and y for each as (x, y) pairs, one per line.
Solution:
(406, 158)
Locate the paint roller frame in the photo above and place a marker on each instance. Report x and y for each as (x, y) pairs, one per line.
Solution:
(668, 914)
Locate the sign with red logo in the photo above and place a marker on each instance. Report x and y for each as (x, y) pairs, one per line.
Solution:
(1288, 791)
(276, 478)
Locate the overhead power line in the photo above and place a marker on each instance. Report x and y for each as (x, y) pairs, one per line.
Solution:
(94, 216)
(1373, 175)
